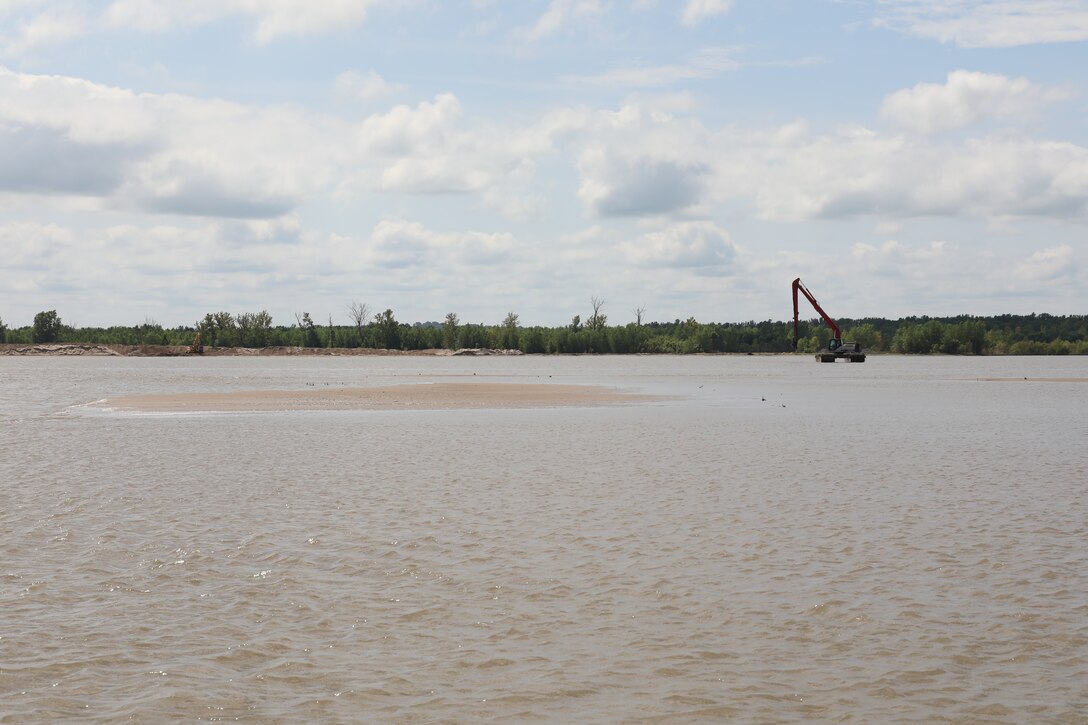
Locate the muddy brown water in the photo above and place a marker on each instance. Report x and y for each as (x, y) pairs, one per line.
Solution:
(778, 541)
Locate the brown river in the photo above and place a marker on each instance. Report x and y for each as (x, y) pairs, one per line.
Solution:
(751, 539)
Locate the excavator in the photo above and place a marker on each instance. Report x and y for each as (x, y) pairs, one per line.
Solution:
(836, 348)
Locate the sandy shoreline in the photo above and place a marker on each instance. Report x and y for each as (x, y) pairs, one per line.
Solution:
(90, 349)
(427, 396)
(1031, 380)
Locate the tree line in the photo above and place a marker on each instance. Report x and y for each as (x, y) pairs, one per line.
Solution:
(1033, 334)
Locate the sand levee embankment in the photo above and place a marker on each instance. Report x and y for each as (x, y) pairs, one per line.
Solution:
(98, 349)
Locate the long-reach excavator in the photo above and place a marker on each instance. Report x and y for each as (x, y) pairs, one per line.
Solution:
(836, 348)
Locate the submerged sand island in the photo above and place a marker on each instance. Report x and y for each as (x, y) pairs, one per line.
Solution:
(418, 396)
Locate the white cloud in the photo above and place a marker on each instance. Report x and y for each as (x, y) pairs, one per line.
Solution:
(162, 153)
(85, 112)
(422, 150)
(895, 259)
(696, 11)
(181, 155)
(10, 7)
(435, 175)
(965, 98)
(685, 244)
(404, 129)
(1047, 265)
(397, 243)
(640, 161)
(302, 17)
(212, 204)
(42, 160)
(515, 197)
(431, 149)
(619, 185)
(32, 246)
(99, 271)
(559, 15)
(988, 24)
(53, 26)
(905, 278)
(791, 174)
(150, 16)
(940, 277)
(706, 63)
(364, 86)
(270, 19)
(280, 230)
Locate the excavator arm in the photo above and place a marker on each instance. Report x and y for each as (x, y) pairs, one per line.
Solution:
(837, 333)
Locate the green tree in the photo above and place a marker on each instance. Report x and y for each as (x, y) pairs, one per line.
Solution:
(808, 344)
(869, 337)
(532, 341)
(309, 330)
(388, 330)
(472, 336)
(998, 341)
(689, 328)
(449, 331)
(218, 329)
(148, 332)
(254, 328)
(919, 339)
(1029, 347)
(3, 331)
(964, 338)
(626, 339)
(47, 326)
(508, 332)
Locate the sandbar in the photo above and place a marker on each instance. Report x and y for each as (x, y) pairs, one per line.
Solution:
(420, 396)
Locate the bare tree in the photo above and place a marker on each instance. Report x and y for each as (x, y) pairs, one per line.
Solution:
(359, 313)
(639, 312)
(597, 321)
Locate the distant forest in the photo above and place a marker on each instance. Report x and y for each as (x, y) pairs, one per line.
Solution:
(1033, 334)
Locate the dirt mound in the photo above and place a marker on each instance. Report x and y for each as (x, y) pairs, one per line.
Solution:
(91, 349)
(58, 349)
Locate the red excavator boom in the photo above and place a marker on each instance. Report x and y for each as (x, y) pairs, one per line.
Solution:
(837, 339)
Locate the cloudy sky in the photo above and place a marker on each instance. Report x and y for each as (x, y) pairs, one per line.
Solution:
(163, 159)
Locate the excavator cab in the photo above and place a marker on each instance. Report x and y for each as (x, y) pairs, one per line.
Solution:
(834, 344)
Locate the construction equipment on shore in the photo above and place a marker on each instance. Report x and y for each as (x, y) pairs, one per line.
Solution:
(836, 348)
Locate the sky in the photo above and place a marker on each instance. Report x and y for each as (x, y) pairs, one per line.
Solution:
(161, 159)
